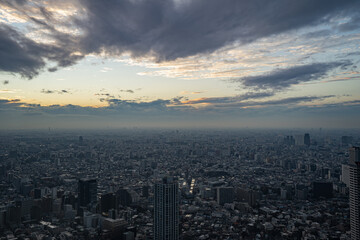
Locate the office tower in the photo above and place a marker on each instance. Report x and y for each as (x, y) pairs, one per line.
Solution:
(345, 174)
(225, 195)
(123, 197)
(322, 189)
(166, 210)
(87, 192)
(289, 140)
(38, 193)
(307, 139)
(354, 192)
(107, 202)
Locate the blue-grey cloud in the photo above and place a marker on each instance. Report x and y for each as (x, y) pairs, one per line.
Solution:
(166, 113)
(283, 78)
(318, 34)
(104, 96)
(239, 98)
(288, 101)
(351, 25)
(233, 103)
(165, 29)
(122, 106)
(171, 30)
(12, 104)
(21, 55)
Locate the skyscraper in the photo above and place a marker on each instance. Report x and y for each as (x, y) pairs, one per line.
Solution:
(166, 210)
(87, 191)
(225, 195)
(354, 192)
(307, 139)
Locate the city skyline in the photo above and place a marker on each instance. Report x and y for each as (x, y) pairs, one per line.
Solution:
(179, 63)
(183, 184)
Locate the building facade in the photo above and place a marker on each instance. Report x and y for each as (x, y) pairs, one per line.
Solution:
(87, 191)
(354, 192)
(166, 210)
(307, 139)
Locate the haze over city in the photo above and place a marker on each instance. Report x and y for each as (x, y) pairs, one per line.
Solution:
(179, 63)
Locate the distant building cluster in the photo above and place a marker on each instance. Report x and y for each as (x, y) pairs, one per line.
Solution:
(183, 184)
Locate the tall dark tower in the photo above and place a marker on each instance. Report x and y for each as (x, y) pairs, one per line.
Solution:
(87, 191)
(166, 210)
(354, 192)
(307, 139)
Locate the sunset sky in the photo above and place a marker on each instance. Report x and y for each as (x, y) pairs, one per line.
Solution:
(179, 63)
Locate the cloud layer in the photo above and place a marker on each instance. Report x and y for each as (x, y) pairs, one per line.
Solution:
(286, 112)
(173, 29)
(283, 78)
(164, 30)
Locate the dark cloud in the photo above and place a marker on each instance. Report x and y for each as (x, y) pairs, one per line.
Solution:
(164, 29)
(239, 98)
(11, 104)
(107, 95)
(283, 78)
(234, 102)
(6, 82)
(170, 30)
(26, 57)
(53, 69)
(178, 100)
(7, 101)
(288, 101)
(158, 104)
(255, 95)
(47, 91)
(19, 54)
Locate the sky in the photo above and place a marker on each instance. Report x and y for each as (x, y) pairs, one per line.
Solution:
(179, 63)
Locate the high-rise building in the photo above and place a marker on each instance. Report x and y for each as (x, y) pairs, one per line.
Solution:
(124, 197)
(322, 189)
(107, 202)
(166, 210)
(345, 174)
(354, 192)
(87, 192)
(307, 139)
(225, 195)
